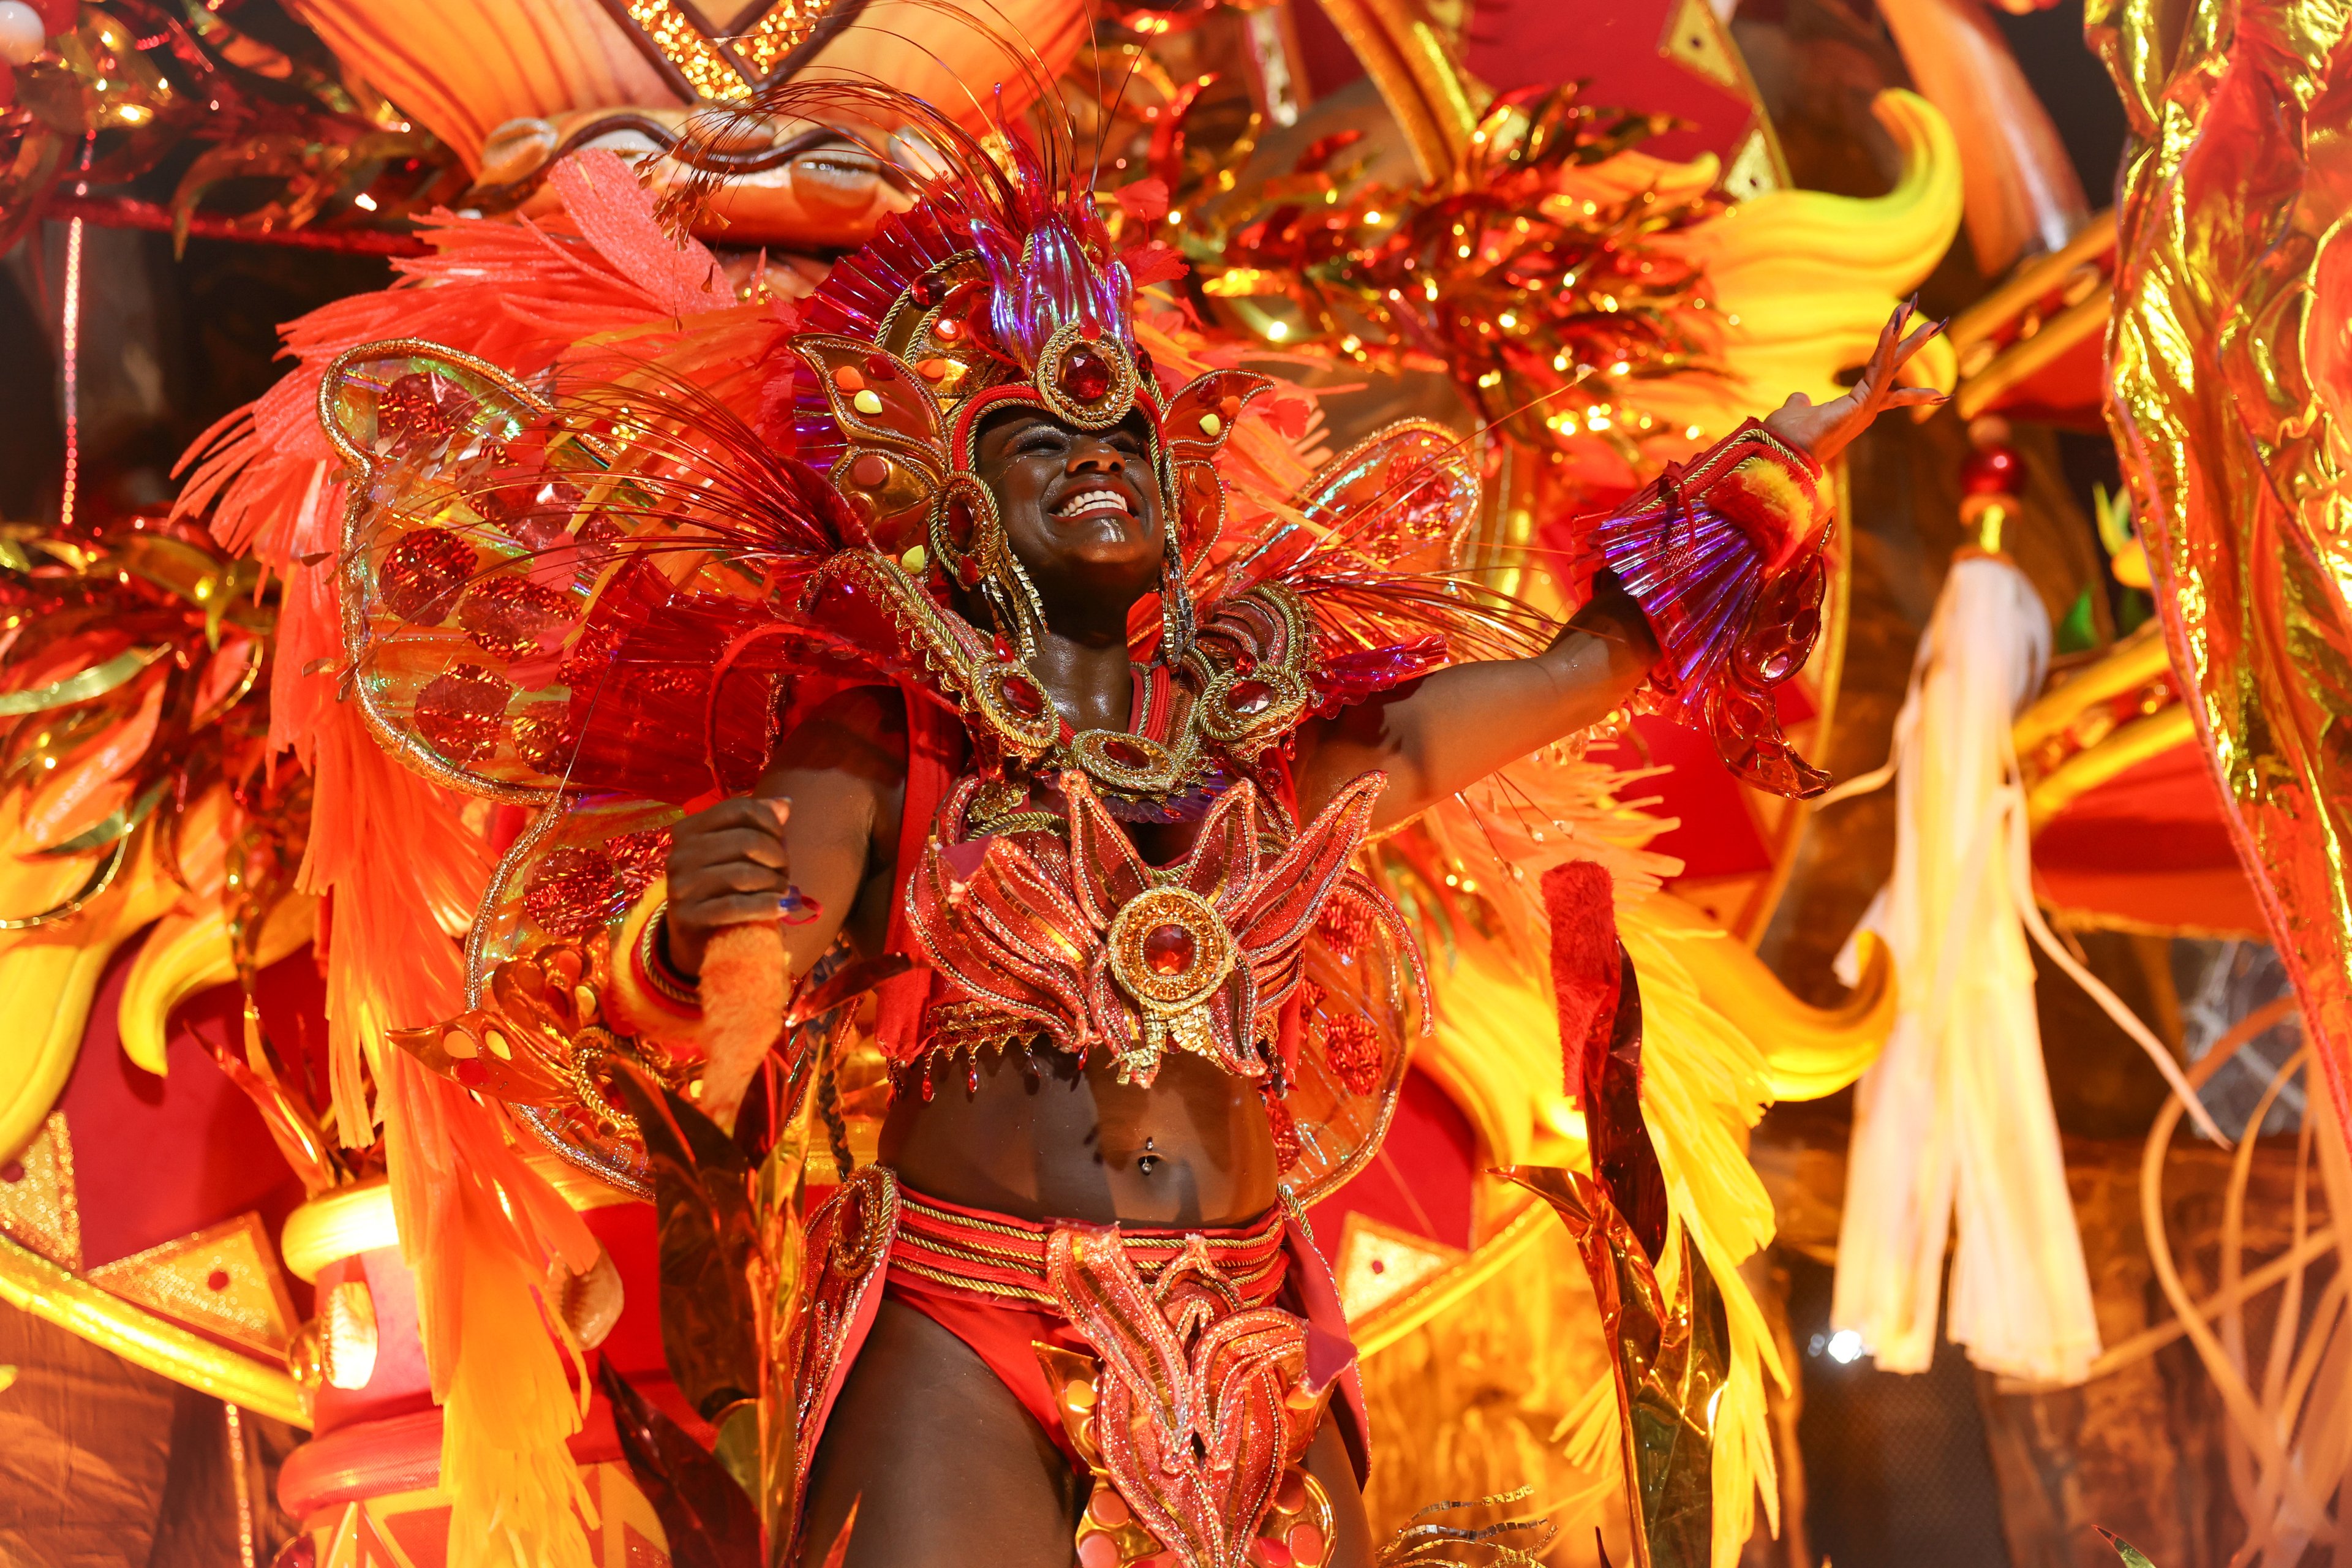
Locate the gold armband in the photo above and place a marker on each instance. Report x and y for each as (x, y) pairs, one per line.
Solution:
(648, 997)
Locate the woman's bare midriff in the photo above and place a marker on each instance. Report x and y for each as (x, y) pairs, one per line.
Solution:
(1041, 1138)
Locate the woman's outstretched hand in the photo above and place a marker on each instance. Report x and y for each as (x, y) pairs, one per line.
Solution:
(1822, 430)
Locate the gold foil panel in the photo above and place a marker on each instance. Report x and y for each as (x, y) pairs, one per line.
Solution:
(1378, 1263)
(2230, 379)
(1694, 40)
(1668, 1342)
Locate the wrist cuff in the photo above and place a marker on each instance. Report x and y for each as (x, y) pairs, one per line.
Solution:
(1723, 555)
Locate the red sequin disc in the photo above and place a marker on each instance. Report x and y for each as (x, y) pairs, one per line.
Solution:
(505, 614)
(1286, 1147)
(421, 574)
(1352, 1047)
(638, 859)
(1342, 928)
(546, 737)
(421, 407)
(459, 714)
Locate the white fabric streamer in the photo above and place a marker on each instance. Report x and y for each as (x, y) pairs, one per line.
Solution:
(1956, 1116)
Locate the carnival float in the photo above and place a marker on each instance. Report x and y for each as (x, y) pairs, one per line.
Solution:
(1309, 782)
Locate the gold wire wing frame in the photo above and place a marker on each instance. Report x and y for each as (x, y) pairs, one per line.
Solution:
(363, 467)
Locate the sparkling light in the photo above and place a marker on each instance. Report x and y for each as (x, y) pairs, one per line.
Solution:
(1845, 1347)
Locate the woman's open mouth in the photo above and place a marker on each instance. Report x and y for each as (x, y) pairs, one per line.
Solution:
(1095, 503)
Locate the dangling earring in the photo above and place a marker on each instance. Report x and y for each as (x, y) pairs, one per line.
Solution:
(1175, 600)
(985, 564)
(1020, 612)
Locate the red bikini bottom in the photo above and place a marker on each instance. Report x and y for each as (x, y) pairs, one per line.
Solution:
(1185, 1370)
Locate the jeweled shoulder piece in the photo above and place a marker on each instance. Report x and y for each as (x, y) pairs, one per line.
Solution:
(1257, 666)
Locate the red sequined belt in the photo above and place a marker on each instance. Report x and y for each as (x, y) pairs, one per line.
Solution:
(995, 1255)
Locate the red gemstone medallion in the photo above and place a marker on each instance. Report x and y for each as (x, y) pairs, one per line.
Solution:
(1169, 950)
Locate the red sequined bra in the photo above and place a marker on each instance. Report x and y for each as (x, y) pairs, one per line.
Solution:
(1065, 932)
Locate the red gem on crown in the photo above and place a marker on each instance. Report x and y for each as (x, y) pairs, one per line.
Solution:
(1086, 375)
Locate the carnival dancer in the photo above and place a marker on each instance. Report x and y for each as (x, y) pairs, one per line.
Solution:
(980, 679)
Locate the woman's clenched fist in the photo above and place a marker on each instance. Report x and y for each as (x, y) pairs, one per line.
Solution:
(728, 865)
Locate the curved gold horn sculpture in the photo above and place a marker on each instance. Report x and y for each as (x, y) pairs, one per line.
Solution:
(1811, 1051)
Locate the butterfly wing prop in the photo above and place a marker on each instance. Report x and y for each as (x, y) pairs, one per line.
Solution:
(582, 588)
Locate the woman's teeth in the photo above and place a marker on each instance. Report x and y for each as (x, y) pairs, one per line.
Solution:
(1095, 500)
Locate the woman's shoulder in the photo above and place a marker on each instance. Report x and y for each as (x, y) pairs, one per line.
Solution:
(858, 730)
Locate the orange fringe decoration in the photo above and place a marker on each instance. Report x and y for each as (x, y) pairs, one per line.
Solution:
(483, 1231)
(745, 987)
(599, 289)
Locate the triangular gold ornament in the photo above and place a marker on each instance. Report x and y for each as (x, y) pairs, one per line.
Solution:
(1696, 39)
(360, 1540)
(1378, 1263)
(1751, 172)
(38, 1209)
(724, 57)
(224, 1280)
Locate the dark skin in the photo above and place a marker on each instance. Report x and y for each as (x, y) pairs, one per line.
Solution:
(941, 1452)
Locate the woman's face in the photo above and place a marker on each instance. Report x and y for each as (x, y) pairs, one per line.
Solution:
(1081, 508)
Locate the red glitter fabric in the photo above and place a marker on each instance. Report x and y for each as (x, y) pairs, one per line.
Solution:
(1352, 1047)
(421, 407)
